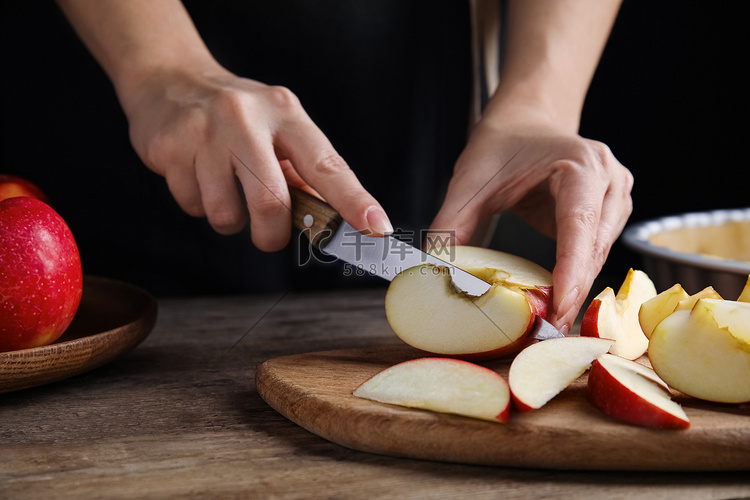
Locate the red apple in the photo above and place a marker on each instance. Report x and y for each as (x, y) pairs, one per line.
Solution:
(633, 393)
(12, 186)
(428, 312)
(442, 385)
(40, 274)
(542, 370)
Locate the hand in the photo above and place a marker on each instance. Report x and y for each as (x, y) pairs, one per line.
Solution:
(228, 146)
(569, 188)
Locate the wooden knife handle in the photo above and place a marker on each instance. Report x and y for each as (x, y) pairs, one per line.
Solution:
(314, 217)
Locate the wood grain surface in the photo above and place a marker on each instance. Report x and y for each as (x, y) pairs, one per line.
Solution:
(315, 391)
(180, 417)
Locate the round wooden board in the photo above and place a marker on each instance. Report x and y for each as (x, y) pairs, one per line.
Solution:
(112, 318)
(314, 390)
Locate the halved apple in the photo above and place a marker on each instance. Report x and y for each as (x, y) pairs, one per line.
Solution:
(542, 370)
(428, 312)
(615, 317)
(442, 385)
(633, 393)
(705, 352)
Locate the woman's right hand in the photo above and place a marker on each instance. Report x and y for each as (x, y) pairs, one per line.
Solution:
(228, 147)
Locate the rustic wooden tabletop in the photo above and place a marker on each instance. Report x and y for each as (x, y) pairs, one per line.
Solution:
(180, 417)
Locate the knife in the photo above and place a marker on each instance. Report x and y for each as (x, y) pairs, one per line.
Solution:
(384, 256)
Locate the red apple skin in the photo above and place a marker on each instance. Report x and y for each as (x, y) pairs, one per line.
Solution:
(519, 406)
(540, 299)
(504, 416)
(614, 399)
(12, 186)
(40, 274)
(590, 320)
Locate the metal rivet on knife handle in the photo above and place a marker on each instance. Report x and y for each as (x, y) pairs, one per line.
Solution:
(313, 216)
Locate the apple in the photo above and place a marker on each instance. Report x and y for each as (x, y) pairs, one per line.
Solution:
(12, 186)
(428, 312)
(705, 352)
(688, 303)
(659, 307)
(615, 317)
(633, 393)
(654, 310)
(40, 274)
(443, 385)
(542, 370)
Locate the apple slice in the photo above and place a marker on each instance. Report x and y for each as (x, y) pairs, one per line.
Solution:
(654, 310)
(633, 393)
(615, 317)
(745, 295)
(689, 303)
(705, 352)
(542, 370)
(443, 385)
(428, 312)
(659, 307)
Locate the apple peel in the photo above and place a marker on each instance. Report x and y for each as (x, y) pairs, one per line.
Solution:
(633, 393)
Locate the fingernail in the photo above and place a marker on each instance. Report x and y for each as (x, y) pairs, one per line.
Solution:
(378, 222)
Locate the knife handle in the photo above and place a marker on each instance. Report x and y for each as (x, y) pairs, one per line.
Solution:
(313, 216)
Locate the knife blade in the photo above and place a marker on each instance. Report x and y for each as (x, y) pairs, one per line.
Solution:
(384, 256)
(543, 330)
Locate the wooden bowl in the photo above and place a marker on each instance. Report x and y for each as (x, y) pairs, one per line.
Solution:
(112, 318)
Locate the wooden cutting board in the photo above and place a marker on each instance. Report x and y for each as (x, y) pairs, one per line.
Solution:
(314, 390)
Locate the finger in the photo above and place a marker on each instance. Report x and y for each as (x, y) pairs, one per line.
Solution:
(580, 197)
(165, 154)
(616, 209)
(225, 209)
(321, 167)
(184, 187)
(266, 194)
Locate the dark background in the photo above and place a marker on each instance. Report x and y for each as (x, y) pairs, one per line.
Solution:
(668, 98)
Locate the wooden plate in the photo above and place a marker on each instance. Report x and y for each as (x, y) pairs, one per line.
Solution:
(314, 390)
(112, 319)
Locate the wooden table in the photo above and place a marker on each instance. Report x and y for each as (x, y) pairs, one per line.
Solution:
(180, 417)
